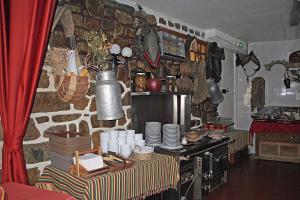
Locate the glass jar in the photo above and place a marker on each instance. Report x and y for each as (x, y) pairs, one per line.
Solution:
(140, 82)
(171, 83)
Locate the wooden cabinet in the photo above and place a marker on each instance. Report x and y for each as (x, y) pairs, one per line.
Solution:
(279, 147)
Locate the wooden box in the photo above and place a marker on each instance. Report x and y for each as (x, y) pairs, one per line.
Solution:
(66, 143)
(279, 151)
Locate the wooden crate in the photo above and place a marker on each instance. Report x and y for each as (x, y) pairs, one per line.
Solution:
(279, 151)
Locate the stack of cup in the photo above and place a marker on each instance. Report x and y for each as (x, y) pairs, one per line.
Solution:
(113, 144)
(130, 138)
(138, 140)
(122, 138)
(171, 135)
(104, 138)
(153, 133)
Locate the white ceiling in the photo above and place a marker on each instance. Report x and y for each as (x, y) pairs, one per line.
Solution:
(248, 20)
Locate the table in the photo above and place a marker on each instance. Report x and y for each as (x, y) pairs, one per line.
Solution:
(241, 141)
(271, 127)
(276, 140)
(143, 179)
(14, 191)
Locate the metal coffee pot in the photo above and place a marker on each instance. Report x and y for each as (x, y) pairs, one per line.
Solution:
(108, 96)
(214, 91)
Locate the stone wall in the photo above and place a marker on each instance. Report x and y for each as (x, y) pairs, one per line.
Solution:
(49, 113)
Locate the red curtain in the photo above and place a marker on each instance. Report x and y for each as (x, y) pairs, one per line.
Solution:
(24, 30)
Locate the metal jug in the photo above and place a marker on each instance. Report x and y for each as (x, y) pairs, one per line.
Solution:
(108, 96)
(214, 91)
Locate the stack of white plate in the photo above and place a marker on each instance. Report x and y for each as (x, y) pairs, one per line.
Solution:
(153, 133)
(171, 135)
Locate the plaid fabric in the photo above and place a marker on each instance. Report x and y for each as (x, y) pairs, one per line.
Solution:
(143, 179)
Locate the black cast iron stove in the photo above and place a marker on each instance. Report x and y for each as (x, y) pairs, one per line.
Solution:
(203, 167)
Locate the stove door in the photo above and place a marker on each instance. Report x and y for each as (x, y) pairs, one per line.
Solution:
(197, 187)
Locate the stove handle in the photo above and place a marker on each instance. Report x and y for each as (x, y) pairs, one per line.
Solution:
(220, 157)
(185, 158)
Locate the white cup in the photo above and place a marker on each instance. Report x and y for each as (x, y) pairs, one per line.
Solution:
(114, 135)
(122, 133)
(113, 145)
(138, 136)
(104, 148)
(130, 132)
(125, 150)
(140, 143)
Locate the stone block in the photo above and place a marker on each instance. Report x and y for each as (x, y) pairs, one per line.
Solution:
(35, 153)
(102, 123)
(74, 8)
(122, 74)
(58, 39)
(126, 101)
(203, 117)
(84, 127)
(151, 19)
(72, 127)
(81, 104)
(33, 174)
(31, 132)
(65, 118)
(132, 65)
(91, 24)
(92, 90)
(123, 17)
(80, 32)
(95, 7)
(54, 129)
(77, 20)
(93, 106)
(211, 115)
(96, 138)
(208, 106)
(122, 42)
(82, 47)
(107, 24)
(109, 12)
(44, 80)
(42, 119)
(196, 111)
(122, 121)
(48, 102)
(120, 6)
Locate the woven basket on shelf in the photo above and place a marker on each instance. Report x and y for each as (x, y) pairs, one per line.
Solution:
(72, 88)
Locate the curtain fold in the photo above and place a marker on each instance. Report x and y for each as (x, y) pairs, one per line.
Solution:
(24, 33)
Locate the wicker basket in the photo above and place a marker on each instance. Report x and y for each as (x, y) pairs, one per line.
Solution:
(72, 88)
(142, 156)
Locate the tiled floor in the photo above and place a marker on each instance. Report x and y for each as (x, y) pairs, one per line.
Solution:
(261, 180)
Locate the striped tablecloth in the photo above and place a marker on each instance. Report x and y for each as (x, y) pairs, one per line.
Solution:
(144, 178)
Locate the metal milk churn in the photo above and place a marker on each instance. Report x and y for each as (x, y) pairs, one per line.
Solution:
(108, 96)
